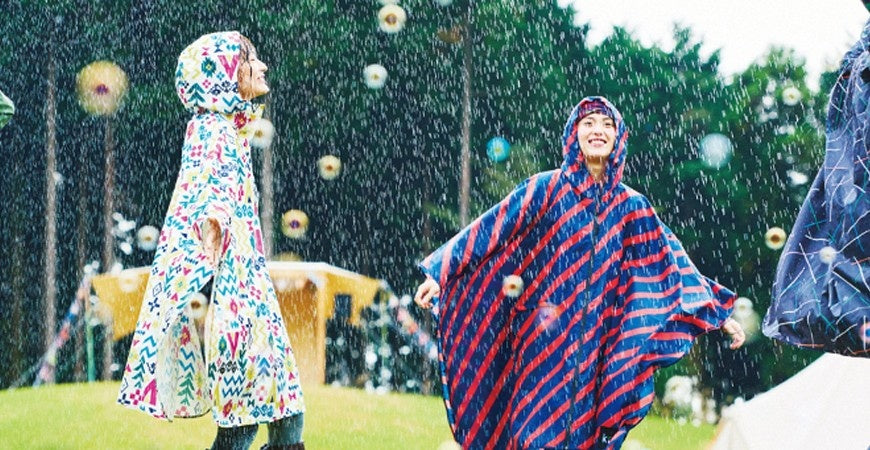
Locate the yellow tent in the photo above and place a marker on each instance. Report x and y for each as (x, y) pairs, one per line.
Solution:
(306, 294)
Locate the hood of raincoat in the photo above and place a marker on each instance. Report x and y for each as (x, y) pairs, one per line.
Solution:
(205, 77)
(574, 164)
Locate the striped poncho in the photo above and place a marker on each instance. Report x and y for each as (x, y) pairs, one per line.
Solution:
(566, 357)
(822, 289)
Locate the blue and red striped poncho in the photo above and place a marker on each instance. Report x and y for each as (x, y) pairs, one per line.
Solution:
(609, 296)
(821, 297)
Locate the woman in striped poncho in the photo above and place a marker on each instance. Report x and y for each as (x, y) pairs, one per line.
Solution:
(556, 306)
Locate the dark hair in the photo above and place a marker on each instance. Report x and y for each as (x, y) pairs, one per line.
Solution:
(245, 53)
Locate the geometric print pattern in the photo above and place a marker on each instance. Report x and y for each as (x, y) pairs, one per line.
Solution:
(609, 296)
(247, 373)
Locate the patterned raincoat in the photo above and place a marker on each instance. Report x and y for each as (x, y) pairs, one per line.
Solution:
(565, 358)
(248, 374)
(822, 294)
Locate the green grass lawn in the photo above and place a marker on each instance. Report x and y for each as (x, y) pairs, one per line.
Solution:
(85, 416)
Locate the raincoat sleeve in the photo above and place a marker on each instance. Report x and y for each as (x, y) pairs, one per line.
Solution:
(490, 232)
(472, 313)
(7, 109)
(663, 304)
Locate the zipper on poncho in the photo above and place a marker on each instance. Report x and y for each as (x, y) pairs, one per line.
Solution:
(575, 382)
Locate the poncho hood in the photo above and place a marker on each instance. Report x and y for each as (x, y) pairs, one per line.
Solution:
(205, 77)
(574, 164)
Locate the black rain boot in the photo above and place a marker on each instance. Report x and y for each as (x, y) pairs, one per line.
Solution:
(296, 446)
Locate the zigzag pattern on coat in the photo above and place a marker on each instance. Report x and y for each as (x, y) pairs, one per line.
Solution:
(165, 374)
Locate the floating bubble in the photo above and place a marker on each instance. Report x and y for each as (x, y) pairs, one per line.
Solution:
(123, 226)
(742, 307)
(386, 373)
(391, 18)
(827, 254)
(498, 149)
(262, 132)
(444, 2)
(125, 247)
(375, 76)
(512, 286)
(281, 284)
(128, 282)
(146, 238)
(678, 391)
(791, 96)
(850, 196)
(294, 223)
(745, 315)
(775, 238)
(715, 150)
(371, 358)
(101, 87)
(198, 306)
(797, 178)
(546, 315)
(329, 167)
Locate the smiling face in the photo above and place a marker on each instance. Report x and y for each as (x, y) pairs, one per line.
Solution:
(252, 74)
(596, 134)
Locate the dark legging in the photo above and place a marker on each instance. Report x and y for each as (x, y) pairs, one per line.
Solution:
(283, 433)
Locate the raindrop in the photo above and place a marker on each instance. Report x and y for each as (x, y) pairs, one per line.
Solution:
(715, 150)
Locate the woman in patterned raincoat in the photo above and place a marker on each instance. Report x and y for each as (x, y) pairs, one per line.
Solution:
(212, 231)
(557, 305)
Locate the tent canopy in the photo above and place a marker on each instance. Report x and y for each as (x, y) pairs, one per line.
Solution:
(823, 406)
(306, 291)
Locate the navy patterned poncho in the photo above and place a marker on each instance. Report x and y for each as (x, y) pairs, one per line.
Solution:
(821, 297)
(607, 296)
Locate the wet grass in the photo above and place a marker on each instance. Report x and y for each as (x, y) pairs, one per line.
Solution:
(86, 416)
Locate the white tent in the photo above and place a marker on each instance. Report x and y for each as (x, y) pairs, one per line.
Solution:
(824, 406)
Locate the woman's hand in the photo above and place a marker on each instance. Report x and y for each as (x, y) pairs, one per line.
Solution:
(735, 331)
(211, 241)
(425, 292)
